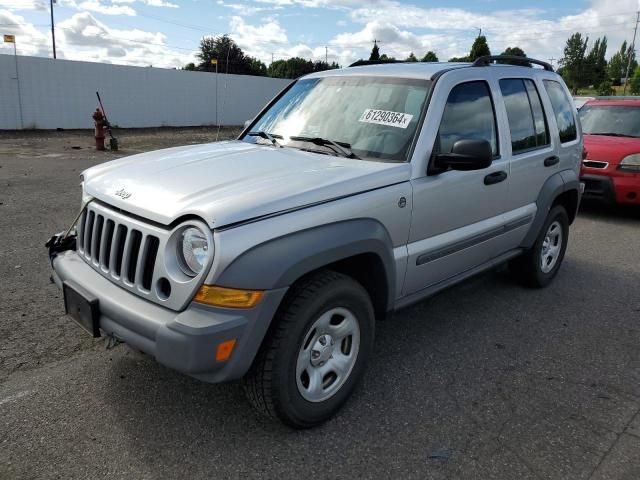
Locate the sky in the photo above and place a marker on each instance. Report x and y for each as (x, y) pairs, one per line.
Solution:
(166, 33)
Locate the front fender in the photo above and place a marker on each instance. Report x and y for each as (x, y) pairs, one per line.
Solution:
(279, 262)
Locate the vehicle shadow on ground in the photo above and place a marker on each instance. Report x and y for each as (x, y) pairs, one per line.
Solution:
(447, 375)
(599, 210)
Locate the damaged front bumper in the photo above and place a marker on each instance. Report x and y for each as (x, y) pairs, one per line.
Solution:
(183, 340)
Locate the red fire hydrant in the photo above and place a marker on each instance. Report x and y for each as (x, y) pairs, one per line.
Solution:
(98, 119)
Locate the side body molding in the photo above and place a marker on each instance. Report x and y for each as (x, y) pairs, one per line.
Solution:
(555, 185)
(281, 261)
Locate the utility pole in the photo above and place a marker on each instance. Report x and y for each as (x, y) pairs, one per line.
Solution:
(53, 30)
(631, 53)
(271, 57)
(326, 54)
(551, 60)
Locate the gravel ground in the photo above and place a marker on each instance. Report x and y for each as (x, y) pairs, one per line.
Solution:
(485, 380)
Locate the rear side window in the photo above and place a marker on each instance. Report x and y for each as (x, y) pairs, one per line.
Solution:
(526, 117)
(563, 110)
(468, 115)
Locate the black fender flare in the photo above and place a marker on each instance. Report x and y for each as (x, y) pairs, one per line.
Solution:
(281, 261)
(555, 186)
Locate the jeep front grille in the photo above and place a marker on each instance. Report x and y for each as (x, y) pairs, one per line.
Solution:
(130, 253)
(123, 252)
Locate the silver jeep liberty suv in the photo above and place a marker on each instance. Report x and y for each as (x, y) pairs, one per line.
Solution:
(354, 193)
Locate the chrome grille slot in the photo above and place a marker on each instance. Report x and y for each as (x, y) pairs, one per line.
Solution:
(107, 241)
(96, 238)
(118, 250)
(150, 254)
(88, 231)
(130, 253)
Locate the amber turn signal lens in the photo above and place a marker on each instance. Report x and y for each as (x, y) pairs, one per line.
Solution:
(225, 349)
(227, 297)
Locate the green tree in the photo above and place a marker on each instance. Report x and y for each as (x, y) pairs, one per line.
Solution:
(617, 67)
(634, 83)
(411, 58)
(230, 57)
(375, 52)
(596, 63)
(605, 88)
(291, 68)
(459, 59)
(516, 52)
(190, 67)
(573, 62)
(386, 58)
(480, 48)
(430, 56)
(320, 66)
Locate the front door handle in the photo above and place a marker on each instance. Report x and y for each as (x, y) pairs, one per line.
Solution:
(551, 161)
(495, 177)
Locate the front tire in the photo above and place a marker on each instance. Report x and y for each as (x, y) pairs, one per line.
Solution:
(315, 353)
(538, 266)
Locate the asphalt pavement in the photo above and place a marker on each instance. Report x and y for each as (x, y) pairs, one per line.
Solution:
(486, 380)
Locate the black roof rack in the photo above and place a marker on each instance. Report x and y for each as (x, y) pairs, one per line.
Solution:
(486, 60)
(360, 63)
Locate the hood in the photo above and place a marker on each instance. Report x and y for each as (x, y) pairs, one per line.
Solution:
(232, 181)
(610, 149)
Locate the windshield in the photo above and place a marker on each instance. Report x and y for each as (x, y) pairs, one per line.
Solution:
(372, 117)
(610, 120)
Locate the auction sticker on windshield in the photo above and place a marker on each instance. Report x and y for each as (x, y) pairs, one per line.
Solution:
(386, 117)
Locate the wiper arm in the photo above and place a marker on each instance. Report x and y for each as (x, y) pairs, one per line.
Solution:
(268, 136)
(611, 134)
(340, 148)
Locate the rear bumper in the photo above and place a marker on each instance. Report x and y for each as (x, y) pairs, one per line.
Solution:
(185, 341)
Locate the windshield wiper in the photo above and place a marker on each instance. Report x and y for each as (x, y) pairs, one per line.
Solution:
(267, 136)
(612, 134)
(342, 148)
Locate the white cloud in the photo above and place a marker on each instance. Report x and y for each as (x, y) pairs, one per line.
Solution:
(16, 5)
(83, 37)
(160, 3)
(106, 9)
(29, 40)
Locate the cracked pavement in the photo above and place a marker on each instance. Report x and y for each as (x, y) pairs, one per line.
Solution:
(485, 380)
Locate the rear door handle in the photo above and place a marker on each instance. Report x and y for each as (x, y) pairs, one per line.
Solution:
(495, 177)
(551, 161)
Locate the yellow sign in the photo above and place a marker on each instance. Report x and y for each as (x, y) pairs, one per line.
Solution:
(214, 61)
(9, 39)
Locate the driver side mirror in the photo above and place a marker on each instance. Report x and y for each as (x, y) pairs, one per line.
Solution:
(465, 155)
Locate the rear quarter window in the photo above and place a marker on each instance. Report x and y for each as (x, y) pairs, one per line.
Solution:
(563, 110)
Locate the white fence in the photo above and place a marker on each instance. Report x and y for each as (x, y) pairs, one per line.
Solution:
(48, 94)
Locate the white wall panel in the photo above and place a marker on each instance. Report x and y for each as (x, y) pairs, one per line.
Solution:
(61, 94)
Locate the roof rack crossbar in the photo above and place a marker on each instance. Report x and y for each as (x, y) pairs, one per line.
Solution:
(486, 60)
(361, 63)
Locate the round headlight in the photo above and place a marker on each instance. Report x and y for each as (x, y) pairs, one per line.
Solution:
(193, 249)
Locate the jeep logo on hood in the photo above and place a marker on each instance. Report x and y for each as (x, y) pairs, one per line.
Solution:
(123, 194)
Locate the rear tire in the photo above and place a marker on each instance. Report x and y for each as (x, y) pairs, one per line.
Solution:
(315, 351)
(538, 266)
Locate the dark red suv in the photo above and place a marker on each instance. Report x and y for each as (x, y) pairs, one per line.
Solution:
(611, 170)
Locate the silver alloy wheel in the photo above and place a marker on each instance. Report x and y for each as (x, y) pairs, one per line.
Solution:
(328, 354)
(551, 247)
